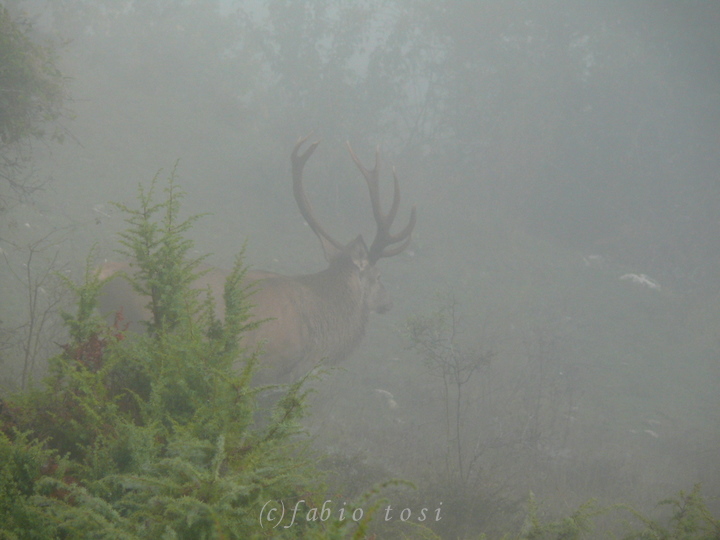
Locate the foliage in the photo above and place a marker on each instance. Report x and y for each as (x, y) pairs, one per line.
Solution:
(435, 337)
(32, 94)
(164, 273)
(569, 528)
(40, 330)
(23, 461)
(153, 435)
(471, 500)
(690, 520)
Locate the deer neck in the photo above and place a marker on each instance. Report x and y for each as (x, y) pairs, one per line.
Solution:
(340, 307)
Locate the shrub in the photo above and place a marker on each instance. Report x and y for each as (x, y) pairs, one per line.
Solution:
(154, 436)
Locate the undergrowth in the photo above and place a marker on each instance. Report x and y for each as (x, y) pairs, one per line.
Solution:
(155, 435)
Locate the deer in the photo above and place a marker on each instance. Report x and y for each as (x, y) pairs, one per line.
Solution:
(307, 318)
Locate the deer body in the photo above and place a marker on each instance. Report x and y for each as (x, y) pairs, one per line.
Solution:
(308, 318)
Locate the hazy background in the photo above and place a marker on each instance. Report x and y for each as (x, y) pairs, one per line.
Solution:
(550, 147)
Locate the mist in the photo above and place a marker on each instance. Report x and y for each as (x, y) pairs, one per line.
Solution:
(555, 318)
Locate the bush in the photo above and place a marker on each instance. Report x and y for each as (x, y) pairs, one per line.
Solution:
(152, 437)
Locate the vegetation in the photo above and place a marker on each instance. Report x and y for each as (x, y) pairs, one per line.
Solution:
(474, 500)
(155, 435)
(585, 127)
(32, 95)
(158, 435)
(689, 520)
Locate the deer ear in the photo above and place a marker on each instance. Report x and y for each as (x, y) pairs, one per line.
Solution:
(358, 252)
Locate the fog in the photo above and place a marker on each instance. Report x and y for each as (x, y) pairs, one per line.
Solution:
(563, 159)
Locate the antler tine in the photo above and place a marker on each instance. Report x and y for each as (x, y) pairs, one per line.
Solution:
(298, 163)
(383, 238)
(396, 199)
(371, 177)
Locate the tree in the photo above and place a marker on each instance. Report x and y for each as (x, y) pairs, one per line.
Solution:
(32, 94)
(156, 435)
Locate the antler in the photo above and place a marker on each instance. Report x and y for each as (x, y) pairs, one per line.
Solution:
(383, 238)
(298, 163)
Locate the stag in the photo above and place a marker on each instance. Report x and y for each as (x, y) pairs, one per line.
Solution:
(308, 318)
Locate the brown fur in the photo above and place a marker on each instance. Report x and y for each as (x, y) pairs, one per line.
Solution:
(308, 318)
